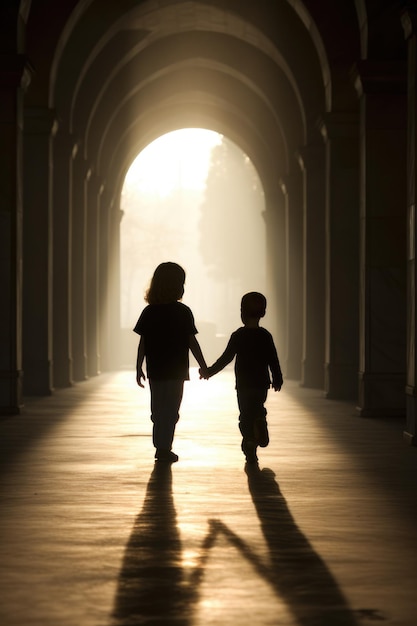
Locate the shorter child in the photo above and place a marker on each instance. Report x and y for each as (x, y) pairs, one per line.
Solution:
(256, 356)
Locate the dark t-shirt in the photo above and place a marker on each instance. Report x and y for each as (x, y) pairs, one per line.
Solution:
(166, 329)
(256, 357)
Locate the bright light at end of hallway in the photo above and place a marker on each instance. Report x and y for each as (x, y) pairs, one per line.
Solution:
(205, 402)
(179, 159)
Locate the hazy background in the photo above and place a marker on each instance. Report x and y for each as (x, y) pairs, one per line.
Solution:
(193, 197)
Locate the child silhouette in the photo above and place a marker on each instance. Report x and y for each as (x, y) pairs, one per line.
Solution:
(167, 334)
(256, 357)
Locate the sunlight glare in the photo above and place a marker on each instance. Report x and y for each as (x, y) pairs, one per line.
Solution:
(179, 159)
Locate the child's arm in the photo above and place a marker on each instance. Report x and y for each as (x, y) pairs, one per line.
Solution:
(276, 385)
(139, 362)
(277, 380)
(226, 358)
(274, 366)
(197, 353)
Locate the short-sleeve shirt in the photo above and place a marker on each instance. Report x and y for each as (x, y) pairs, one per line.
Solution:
(256, 358)
(166, 330)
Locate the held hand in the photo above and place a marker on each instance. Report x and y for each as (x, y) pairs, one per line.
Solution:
(139, 377)
(203, 371)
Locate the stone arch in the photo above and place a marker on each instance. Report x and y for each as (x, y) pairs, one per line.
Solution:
(274, 77)
(82, 75)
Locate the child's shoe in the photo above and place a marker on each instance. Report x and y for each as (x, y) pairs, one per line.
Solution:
(166, 455)
(249, 450)
(261, 432)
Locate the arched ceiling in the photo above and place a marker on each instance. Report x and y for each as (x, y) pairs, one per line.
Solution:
(120, 74)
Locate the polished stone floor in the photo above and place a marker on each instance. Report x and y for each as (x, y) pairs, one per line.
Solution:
(94, 533)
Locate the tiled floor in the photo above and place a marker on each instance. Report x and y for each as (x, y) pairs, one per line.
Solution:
(94, 533)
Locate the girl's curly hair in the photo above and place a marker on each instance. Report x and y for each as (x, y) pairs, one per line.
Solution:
(167, 284)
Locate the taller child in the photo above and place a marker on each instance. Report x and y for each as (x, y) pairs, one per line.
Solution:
(167, 334)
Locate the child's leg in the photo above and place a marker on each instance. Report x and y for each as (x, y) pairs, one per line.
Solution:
(251, 407)
(261, 428)
(166, 396)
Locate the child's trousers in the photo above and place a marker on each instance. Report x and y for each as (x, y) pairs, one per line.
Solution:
(251, 406)
(166, 397)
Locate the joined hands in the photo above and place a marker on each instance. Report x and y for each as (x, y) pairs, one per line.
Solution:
(204, 373)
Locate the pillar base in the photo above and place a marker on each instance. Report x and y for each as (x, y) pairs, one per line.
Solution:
(312, 374)
(381, 395)
(340, 382)
(410, 432)
(38, 378)
(79, 368)
(11, 396)
(292, 369)
(93, 364)
(410, 438)
(63, 373)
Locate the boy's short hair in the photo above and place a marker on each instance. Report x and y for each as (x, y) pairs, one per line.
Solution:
(253, 305)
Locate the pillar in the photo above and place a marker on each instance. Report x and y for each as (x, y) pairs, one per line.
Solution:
(340, 134)
(276, 292)
(109, 280)
(80, 172)
(382, 323)
(63, 147)
(37, 248)
(409, 20)
(292, 189)
(103, 279)
(311, 160)
(114, 336)
(94, 190)
(14, 78)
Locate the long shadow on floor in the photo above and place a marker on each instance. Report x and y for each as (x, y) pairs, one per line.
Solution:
(154, 587)
(297, 573)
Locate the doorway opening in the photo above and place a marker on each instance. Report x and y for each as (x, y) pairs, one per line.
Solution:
(194, 197)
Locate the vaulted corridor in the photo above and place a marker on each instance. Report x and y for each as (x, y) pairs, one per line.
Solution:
(321, 97)
(94, 533)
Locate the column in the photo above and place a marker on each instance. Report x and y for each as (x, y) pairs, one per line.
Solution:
(14, 78)
(37, 249)
(103, 278)
(292, 189)
(113, 287)
(94, 190)
(340, 134)
(63, 147)
(80, 173)
(409, 21)
(311, 160)
(382, 352)
(276, 293)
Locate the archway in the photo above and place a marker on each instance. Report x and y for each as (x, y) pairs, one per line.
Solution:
(195, 197)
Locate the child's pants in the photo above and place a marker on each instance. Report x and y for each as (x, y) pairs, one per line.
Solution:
(166, 397)
(251, 406)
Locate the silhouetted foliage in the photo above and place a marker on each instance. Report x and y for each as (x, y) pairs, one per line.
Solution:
(231, 228)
